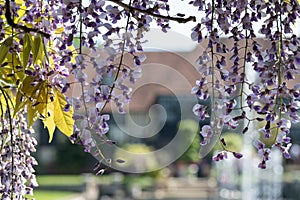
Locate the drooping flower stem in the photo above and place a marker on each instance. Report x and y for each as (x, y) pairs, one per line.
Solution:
(80, 26)
(213, 106)
(8, 110)
(121, 60)
(82, 83)
(244, 65)
(11, 129)
(278, 99)
(280, 45)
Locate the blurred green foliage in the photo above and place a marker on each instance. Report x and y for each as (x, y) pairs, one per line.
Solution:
(234, 142)
(139, 160)
(190, 128)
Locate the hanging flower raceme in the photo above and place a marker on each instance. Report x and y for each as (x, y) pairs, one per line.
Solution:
(53, 49)
(110, 83)
(17, 172)
(265, 92)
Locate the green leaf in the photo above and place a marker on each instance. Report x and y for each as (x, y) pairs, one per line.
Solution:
(63, 120)
(4, 48)
(26, 49)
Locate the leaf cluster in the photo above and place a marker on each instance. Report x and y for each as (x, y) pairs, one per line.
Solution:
(27, 89)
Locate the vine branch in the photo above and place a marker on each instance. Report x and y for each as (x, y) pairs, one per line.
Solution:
(11, 22)
(150, 12)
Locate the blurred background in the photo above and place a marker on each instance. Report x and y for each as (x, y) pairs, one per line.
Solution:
(161, 109)
(159, 114)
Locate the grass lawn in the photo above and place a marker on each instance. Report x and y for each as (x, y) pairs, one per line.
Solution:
(78, 180)
(52, 180)
(52, 195)
(60, 179)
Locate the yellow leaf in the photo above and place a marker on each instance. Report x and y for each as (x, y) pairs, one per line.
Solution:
(10, 73)
(28, 88)
(50, 124)
(32, 115)
(7, 75)
(72, 48)
(20, 103)
(21, 11)
(49, 120)
(20, 2)
(3, 101)
(4, 48)
(40, 106)
(35, 111)
(40, 100)
(25, 91)
(37, 49)
(2, 105)
(59, 30)
(63, 120)
(21, 99)
(26, 49)
(13, 60)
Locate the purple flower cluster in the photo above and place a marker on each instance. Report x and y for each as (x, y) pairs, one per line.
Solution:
(223, 155)
(122, 27)
(227, 75)
(16, 169)
(283, 141)
(60, 40)
(68, 38)
(263, 152)
(220, 156)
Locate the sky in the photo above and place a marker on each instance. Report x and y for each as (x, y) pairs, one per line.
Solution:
(178, 38)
